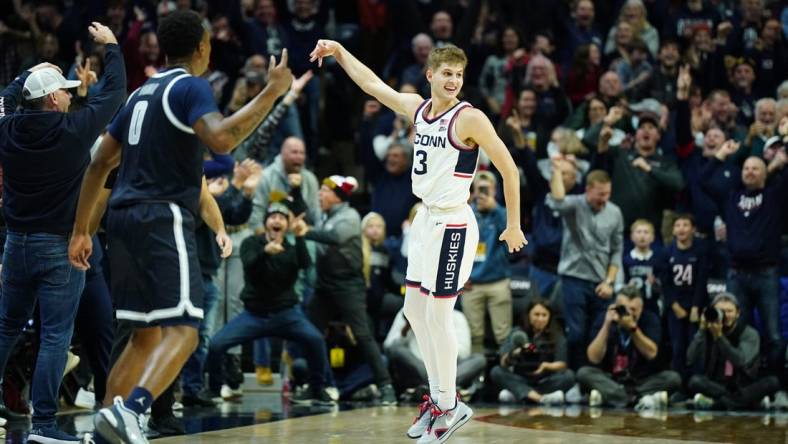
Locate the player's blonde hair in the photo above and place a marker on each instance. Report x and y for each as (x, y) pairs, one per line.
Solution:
(450, 55)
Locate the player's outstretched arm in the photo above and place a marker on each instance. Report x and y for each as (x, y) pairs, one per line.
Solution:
(400, 103)
(223, 134)
(212, 216)
(474, 125)
(107, 158)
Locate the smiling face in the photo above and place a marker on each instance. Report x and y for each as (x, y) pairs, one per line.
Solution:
(596, 111)
(526, 104)
(753, 173)
(446, 81)
(712, 141)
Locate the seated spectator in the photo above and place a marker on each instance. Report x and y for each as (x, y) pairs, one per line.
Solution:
(642, 266)
(271, 267)
(684, 286)
(729, 352)
(754, 218)
(625, 345)
(488, 289)
(590, 253)
(533, 359)
(407, 366)
(552, 105)
(383, 293)
(634, 14)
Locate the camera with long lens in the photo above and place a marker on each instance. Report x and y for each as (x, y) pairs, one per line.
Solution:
(622, 310)
(528, 360)
(713, 314)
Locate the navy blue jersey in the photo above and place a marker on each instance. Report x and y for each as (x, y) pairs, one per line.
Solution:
(686, 275)
(162, 158)
(637, 268)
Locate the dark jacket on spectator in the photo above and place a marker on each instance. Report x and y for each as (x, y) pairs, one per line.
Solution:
(339, 258)
(754, 219)
(45, 154)
(737, 350)
(639, 194)
(269, 279)
(622, 359)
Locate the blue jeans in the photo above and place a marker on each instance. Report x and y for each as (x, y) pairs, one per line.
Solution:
(758, 289)
(262, 353)
(581, 308)
(36, 269)
(193, 371)
(290, 324)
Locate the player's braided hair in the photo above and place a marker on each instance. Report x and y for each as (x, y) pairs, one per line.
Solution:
(180, 34)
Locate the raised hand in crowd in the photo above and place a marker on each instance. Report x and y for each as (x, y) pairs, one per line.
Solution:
(86, 76)
(274, 247)
(246, 176)
(683, 83)
(729, 148)
(298, 226)
(294, 179)
(101, 34)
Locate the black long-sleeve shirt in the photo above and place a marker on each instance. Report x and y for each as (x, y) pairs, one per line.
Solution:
(269, 279)
(45, 153)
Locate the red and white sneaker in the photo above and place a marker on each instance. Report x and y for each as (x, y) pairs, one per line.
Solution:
(422, 420)
(444, 423)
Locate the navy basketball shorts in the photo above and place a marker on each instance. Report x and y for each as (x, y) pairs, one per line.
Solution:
(441, 249)
(155, 273)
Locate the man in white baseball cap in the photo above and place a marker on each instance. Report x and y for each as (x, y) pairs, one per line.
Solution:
(45, 150)
(49, 85)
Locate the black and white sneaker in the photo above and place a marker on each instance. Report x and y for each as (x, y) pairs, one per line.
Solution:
(119, 425)
(308, 396)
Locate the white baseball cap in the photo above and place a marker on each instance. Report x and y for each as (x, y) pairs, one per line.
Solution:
(45, 81)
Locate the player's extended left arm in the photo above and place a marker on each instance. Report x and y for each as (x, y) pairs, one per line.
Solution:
(484, 135)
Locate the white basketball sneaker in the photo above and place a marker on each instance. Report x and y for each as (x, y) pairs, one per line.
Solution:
(444, 423)
(119, 425)
(422, 420)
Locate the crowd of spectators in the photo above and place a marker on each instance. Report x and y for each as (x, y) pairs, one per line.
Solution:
(650, 136)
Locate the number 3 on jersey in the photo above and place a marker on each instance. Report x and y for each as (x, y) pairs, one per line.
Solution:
(420, 165)
(137, 116)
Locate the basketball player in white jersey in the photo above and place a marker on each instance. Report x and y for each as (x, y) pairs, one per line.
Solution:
(444, 235)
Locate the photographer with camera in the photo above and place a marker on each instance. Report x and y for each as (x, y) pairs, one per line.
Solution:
(729, 352)
(623, 353)
(488, 289)
(533, 359)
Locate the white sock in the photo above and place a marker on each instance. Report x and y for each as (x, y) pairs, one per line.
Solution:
(415, 311)
(440, 315)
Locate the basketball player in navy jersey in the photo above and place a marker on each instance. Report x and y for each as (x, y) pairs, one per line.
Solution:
(444, 235)
(155, 273)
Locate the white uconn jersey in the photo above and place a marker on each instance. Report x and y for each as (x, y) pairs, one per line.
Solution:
(443, 166)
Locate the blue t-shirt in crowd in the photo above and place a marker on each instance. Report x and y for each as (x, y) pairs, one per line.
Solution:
(686, 275)
(162, 157)
(491, 262)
